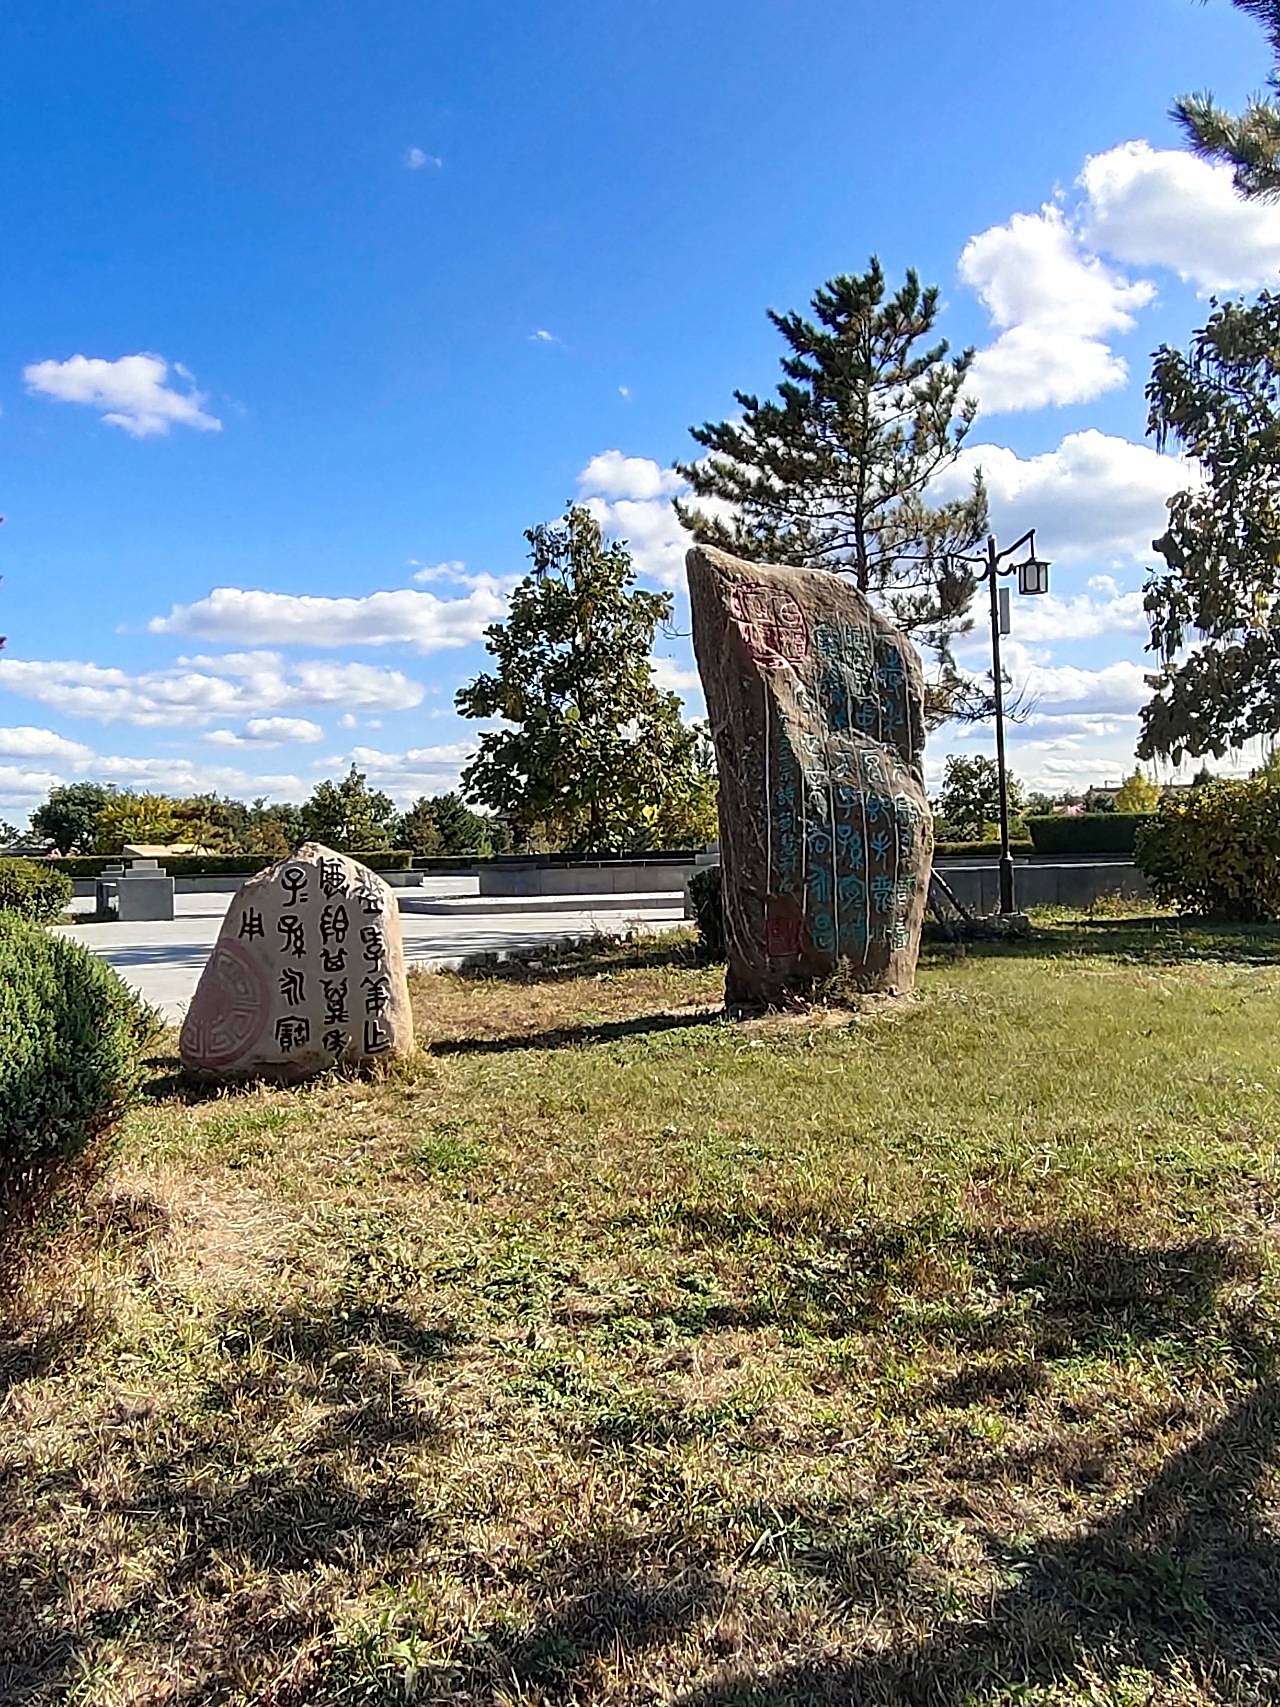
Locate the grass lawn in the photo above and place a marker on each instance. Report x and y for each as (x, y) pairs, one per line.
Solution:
(616, 1353)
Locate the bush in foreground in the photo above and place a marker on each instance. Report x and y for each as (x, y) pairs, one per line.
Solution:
(707, 901)
(71, 1041)
(1215, 850)
(33, 891)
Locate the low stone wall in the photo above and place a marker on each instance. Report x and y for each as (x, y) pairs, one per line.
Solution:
(586, 877)
(1043, 883)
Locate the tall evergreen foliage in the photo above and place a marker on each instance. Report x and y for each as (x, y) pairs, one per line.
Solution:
(594, 756)
(836, 471)
(1249, 141)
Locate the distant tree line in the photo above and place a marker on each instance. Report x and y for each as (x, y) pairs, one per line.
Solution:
(95, 818)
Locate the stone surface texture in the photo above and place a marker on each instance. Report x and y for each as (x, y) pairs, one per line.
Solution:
(307, 972)
(816, 705)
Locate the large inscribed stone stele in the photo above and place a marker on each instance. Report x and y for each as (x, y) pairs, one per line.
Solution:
(307, 972)
(816, 706)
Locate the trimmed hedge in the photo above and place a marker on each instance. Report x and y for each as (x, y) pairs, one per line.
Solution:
(223, 865)
(1089, 833)
(1020, 848)
(33, 890)
(1215, 850)
(72, 1037)
(707, 902)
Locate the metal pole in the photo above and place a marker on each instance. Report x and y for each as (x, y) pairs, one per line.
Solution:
(1006, 853)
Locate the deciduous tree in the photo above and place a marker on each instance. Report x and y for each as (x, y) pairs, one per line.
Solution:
(968, 803)
(349, 815)
(593, 751)
(69, 817)
(1214, 609)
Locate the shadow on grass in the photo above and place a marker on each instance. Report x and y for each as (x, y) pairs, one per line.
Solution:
(1144, 938)
(1186, 1573)
(571, 1036)
(296, 1455)
(554, 964)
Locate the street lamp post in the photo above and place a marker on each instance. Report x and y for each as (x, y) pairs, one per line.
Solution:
(1033, 577)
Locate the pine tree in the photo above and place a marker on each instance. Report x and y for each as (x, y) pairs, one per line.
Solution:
(1249, 142)
(836, 472)
(594, 754)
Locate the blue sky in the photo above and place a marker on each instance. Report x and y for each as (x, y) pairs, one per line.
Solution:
(362, 291)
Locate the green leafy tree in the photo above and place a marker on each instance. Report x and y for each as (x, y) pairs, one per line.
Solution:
(594, 751)
(272, 832)
(69, 817)
(1137, 793)
(1248, 142)
(1099, 800)
(835, 472)
(9, 834)
(128, 818)
(349, 815)
(214, 822)
(1220, 584)
(968, 803)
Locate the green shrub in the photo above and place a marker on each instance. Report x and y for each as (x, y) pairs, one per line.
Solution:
(1215, 850)
(1088, 833)
(33, 890)
(71, 1041)
(708, 912)
(1019, 847)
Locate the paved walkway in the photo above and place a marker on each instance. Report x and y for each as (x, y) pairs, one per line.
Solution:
(163, 961)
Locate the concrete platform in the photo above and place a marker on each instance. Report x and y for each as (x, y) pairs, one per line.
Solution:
(163, 960)
(524, 906)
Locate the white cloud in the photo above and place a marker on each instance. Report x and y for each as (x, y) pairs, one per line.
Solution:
(400, 617)
(132, 392)
(267, 732)
(676, 678)
(542, 336)
(419, 770)
(1054, 305)
(1164, 207)
(416, 159)
(613, 476)
(198, 690)
(624, 391)
(186, 776)
(1115, 688)
(29, 743)
(20, 786)
(1095, 497)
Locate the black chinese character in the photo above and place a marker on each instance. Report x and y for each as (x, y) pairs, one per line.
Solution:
(376, 1038)
(290, 929)
(293, 879)
(333, 959)
(375, 946)
(333, 879)
(291, 985)
(335, 1001)
(333, 924)
(334, 1042)
(378, 998)
(251, 923)
(292, 1031)
(370, 898)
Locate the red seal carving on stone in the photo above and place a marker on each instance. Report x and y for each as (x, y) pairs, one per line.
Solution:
(230, 1010)
(772, 624)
